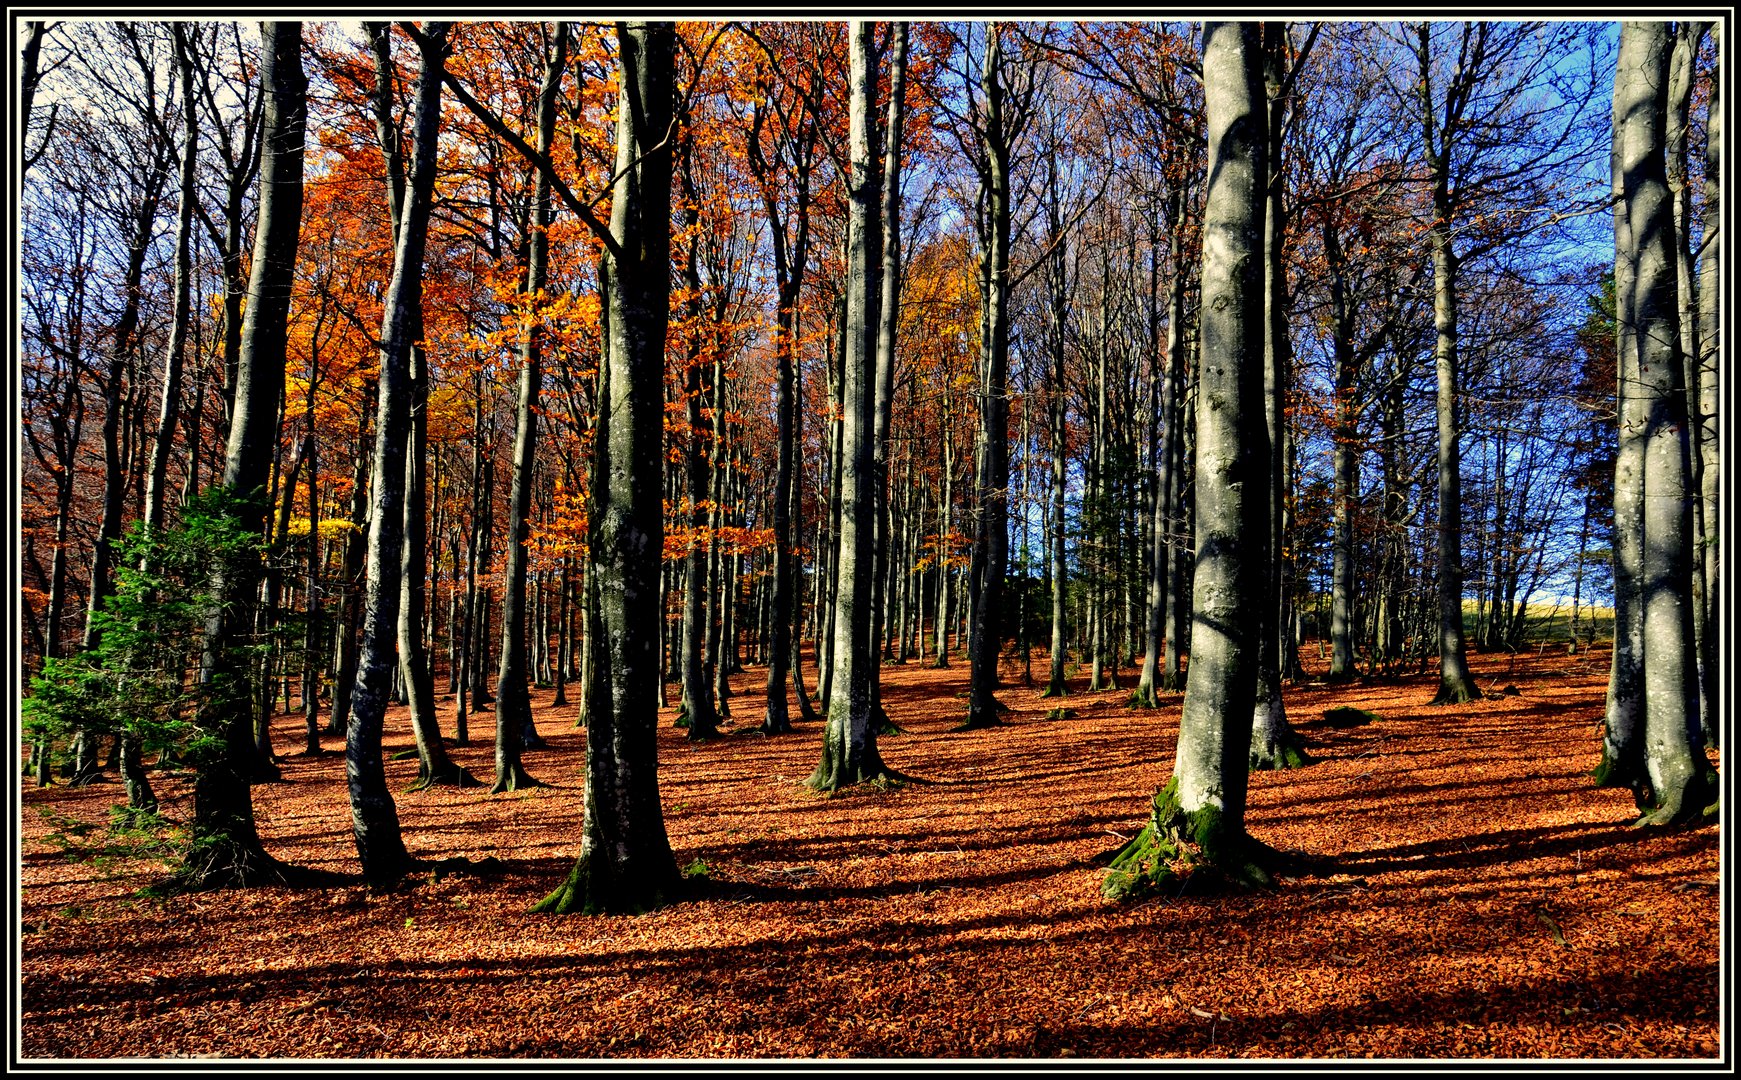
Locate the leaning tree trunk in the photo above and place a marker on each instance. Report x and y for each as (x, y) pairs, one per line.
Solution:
(374, 819)
(226, 849)
(513, 703)
(1677, 780)
(625, 862)
(849, 753)
(1199, 815)
(433, 764)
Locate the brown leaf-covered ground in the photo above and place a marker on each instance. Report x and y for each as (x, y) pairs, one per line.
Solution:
(1484, 901)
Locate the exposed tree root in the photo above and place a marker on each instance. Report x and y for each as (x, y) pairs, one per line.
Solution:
(449, 775)
(514, 778)
(1456, 692)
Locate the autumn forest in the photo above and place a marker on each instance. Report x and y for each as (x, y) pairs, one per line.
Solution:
(872, 539)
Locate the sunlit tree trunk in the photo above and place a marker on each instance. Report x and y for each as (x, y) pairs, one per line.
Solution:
(1200, 813)
(1676, 781)
(849, 753)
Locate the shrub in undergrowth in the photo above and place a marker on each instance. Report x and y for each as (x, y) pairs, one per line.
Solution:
(141, 676)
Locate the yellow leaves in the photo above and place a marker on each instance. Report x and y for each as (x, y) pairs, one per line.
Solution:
(331, 528)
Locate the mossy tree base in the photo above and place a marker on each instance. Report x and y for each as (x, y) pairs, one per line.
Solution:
(1614, 772)
(1145, 697)
(1055, 690)
(1695, 803)
(881, 723)
(832, 776)
(1179, 847)
(514, 778)
(1289, 753)
(595, 888)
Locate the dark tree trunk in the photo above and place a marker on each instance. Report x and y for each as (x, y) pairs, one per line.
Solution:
(997, 138)
(227, 848)
(625, 862)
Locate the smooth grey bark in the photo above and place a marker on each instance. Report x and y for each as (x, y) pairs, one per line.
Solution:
(1677, 781)
(625, 862)
(169, 410)
(513, 703)
(374, 818)
(888, 320)
(433, 764)
(1456, 683)
(1688, 34)
(227, 848)
(849, 753)
(1203, 804)
(1710, 349)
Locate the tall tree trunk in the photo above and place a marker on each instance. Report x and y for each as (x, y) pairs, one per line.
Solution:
(433, 764)
(1677, 781)
(849, 753)
(170, 408)
(1456, 683)
(1199, 815)
(374, 819)
(992, 541)
(625, 862)
(1274, 744)
(1710, 348)
(227, 848)
(514, 726)
(888, 321)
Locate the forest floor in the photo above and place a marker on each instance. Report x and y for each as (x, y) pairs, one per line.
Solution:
(1481, 899)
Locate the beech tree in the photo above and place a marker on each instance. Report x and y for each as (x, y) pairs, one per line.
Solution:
(625, 862)
(374, 818)
(226, 848)
(1199, 814)
(1652, 741)
(849, 751)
